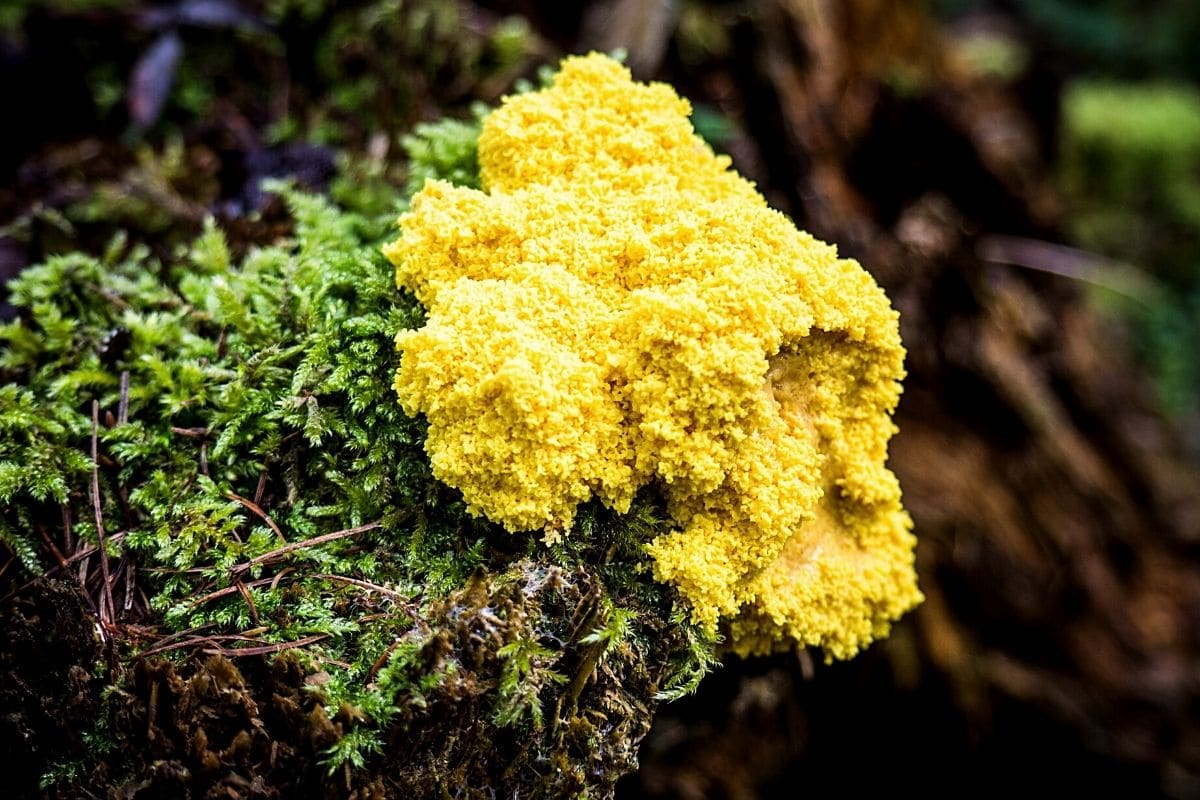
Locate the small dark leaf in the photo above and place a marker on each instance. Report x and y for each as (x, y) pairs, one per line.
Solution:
(201, 14)
(152, 78)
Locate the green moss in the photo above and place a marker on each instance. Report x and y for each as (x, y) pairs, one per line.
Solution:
(445, 149)
(1135, 144)
(266, 493)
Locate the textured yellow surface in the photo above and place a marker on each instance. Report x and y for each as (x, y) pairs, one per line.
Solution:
(617, 307)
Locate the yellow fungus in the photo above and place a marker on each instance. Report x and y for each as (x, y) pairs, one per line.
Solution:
(618, 307)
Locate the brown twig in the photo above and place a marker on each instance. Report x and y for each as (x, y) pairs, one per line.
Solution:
(266, 648)
(194, 641)
(249, 600)
(134, 631)
(257, 510)
(193, 433)
(129, 586)
(379, 662)
(262, 486)
(398, 599)
(328, 660)
(112, 297)
(165, 643)
(68, 541)
(280, 552)
(279, 576)
(99, 515)
(174, 570)
(168, 642)
(58, 556)
(372, 587)
(90, 549)
(123, 405)
(228, 590)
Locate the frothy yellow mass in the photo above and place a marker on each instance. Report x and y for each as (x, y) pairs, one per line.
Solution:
(617, 307)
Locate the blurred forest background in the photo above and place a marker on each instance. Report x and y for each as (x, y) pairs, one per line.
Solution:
(1022, 176)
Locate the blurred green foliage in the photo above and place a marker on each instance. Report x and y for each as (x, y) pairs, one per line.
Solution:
(364, 67)
(1128, 38)
(333, 72)
(13, 13)
(1131, 167)
(1130, 161)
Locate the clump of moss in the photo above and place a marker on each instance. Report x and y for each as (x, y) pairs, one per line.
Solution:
(257, 491)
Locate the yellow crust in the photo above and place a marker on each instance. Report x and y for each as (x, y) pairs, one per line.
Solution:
(618, 307)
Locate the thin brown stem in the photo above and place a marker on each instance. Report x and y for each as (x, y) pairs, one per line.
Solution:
(256, 509)
(228, 590)
(280, 552)
(266, 648)
(58, 556)
(123, 405)
(107, 598)
(262, 486)
(249, 600)
(192, 433)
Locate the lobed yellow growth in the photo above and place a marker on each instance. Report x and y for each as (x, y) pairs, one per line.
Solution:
(618, 307)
